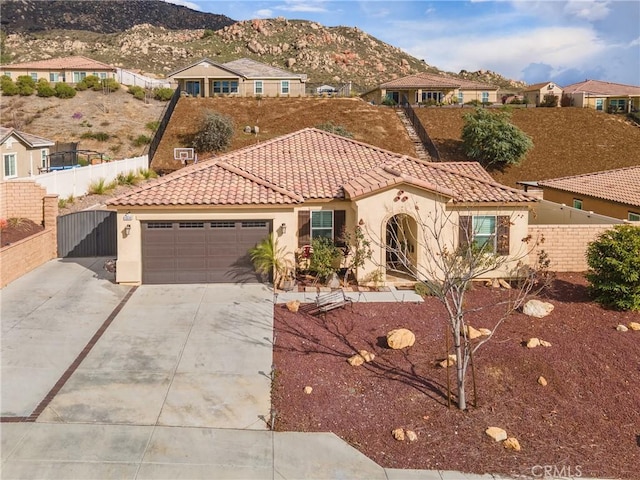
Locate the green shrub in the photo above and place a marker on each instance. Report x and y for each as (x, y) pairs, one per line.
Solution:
(147, 173)
(325, 254)
(110, 84)
(337, 129)
(214, 134)
(81, 86)
(549, 100)
(44, 89)
(153, 126)
(100, 187)
(7, 86)
(614, 268)
(141, 140)
(64, 90)
(163, 94)
(422, 289)
(388, 101)
(99, 136)
(90, 81)
(130, 178)
(26, 85)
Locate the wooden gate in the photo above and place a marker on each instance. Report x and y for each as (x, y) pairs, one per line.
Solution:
(89, 233)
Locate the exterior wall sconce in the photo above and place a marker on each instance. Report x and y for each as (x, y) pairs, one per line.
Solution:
(127, 217)
(283, 228)
(127, 230)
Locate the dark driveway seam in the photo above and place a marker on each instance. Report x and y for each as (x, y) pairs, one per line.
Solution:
(74, 366)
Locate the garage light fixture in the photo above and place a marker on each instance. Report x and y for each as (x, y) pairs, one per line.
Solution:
(283, 228)
(127, 230)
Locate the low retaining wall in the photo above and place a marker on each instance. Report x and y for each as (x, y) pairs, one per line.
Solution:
(25, 255)
(566, 245)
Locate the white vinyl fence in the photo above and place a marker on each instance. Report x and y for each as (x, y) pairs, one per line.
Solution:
(76, 181)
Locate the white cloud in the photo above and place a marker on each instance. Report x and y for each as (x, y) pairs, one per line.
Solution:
(307, 6)
(263, 13)
(185, 3)
(587, 10)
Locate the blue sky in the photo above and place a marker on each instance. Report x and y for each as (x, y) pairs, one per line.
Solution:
(534, 41)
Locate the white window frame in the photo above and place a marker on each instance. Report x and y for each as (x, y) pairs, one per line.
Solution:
(8, 74)
(599, 104)
(258, 87)
(577, 204)
(79, 76)
(321, 213)
(54, 77)
(480, 238)
(285, 87)
(225, 87)
(633, 217)
(460, 97)
(44, 153)
(10, 160)
(485, 97)
(34, 76)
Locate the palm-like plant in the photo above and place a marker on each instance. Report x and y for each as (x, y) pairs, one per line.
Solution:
(268, 258)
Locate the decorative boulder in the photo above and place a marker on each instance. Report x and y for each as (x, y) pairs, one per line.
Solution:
(544, 343)
(293, 305)
(537, 308)
(355, 361)
(398, 434)
(367, 356)
(634, 326)
(308, 390)
(533, 342)
(411, 435)
(472, 333)
(542, 381)
(485, 332)
(512, 443)
(621, 328)
(400, 338)
(498, 434)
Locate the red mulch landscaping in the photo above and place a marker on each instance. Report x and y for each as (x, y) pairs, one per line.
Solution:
(586, 420)
(18, 229)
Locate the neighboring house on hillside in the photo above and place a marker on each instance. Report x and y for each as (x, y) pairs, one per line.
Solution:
(535, 94)
(428, 87)
(23, 154)
(604, 96)
(615, 193)
(197, 224)
(66, 69)
(243, 78)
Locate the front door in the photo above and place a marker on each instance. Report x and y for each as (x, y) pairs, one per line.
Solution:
(192, 87)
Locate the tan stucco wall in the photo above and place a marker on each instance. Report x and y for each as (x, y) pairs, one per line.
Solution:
(415, 95)
(28, 160)
(591, 204)
(537, 97)
(376, 210)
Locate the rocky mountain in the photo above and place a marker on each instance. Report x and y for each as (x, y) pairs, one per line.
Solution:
(111, 16)
(147, 40)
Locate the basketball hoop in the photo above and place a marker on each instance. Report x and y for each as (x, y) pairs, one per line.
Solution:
(184, 155)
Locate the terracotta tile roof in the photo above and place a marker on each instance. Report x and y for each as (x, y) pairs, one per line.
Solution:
(32, 141)
(251, 69)
(620, 185)
(607, 89)
(313, 165)
(64, 63)
(537, 86)
(428, 80)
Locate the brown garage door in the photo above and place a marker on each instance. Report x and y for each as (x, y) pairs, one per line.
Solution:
(200, 251)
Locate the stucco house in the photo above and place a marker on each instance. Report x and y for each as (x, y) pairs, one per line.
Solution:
(604, 96)
(197, 224)
(243, 77)
(615, 193)
(428, 87)
(23, 154)
(65, 69)
(535, 94)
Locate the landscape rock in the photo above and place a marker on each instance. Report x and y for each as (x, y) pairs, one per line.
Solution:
(542, 381)
(621, 328)
(293, 305)
(504, 284)
(449, 361)
(355, 361)
(398, 434)
(485, 331)
(497, 433)
(472, 333)
(512, 443)
(308, 390)
(537, 308)
(411, 435)
(533, 342)
(400, 338)
(634, 326)
(544, 343)
(367, 356)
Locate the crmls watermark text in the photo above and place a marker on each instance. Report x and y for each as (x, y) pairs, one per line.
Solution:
(556, 471)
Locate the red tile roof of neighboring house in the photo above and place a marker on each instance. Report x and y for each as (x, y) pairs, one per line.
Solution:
(32, 141)
(64, 63)
(429, 80)
(607, 89)
(621, 185)
(313, 164)
(245, 67)
(537, 86)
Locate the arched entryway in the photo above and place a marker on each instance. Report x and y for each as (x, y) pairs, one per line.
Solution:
(401, 244)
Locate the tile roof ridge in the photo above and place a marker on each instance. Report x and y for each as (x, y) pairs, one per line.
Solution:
(590, 174)
(357, 142)
(417, 181)
(261, 181)
(491, 183)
